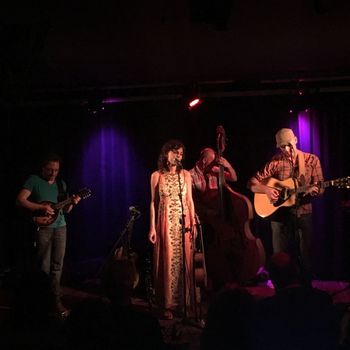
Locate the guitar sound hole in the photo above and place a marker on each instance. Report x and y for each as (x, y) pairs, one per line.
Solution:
(284, 195)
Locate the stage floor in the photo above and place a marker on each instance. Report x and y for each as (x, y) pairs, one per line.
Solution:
(186, 335)
(178, 334)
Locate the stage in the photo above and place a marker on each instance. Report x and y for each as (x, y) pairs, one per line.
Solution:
(179, 333)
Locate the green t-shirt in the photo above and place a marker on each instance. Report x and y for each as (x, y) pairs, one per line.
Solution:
(42, 191)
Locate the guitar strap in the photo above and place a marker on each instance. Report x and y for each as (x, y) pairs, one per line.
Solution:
(62, 194)
(301, 165)
(301, 177)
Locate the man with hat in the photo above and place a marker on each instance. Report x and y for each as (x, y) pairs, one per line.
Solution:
(291, 225)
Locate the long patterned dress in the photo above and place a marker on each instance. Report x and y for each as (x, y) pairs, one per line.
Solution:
(168, 250)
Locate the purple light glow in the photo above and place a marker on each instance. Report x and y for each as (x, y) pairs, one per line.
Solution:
(111, 100)
(309, 138)
(304, 131)
(110, 167)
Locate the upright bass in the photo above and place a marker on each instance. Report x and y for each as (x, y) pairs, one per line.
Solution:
(233, 226)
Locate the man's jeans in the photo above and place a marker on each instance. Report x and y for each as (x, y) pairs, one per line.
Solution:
(51, 247)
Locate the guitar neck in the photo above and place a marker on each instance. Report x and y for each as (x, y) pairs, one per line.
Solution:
(84, 193)
(321, 184)
(221, 174)
(62, 204)
(329, 183)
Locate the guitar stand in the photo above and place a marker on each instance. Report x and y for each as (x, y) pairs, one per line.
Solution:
(127, 230)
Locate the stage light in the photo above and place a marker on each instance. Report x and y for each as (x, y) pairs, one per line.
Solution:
(192, 96)
(194, 102)
(112, 100)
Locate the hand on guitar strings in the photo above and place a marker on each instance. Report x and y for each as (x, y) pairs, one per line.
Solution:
(46, 209)
(313, 190)
(272, 194)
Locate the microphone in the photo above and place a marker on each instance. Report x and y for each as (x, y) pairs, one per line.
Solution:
(291, 151)
(178, 163)
(134, 210)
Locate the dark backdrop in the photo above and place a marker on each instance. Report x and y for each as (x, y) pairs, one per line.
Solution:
(114, 151)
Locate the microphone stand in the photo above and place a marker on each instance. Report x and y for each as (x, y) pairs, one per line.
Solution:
(126, 243)
(183, 232)
(185, 320)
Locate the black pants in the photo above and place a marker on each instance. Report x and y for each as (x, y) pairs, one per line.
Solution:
(293, 235)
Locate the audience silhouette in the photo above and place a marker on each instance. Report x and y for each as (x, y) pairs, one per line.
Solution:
(229, 321)
(136, 329)
(91, 326)
(297, 316)
(32, 323)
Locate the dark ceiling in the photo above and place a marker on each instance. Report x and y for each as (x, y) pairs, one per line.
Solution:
(113, 44)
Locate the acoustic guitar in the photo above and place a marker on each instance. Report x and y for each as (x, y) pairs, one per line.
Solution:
(119, 269)
(288, 191)
(44, 220)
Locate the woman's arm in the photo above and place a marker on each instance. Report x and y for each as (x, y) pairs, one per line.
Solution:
(152, 235)
(189, 198)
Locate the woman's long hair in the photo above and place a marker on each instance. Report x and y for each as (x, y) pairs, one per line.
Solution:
(171, 145)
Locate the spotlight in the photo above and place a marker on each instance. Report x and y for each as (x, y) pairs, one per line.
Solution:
(192, 96)
(194, 102)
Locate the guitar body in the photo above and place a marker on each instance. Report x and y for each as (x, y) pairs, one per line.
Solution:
(122, 253)
(262, 204)
(249, 251)
(200, 274)
(199, 266)
(233, 253)
(121, 262)
(236, 254)
(44, 220)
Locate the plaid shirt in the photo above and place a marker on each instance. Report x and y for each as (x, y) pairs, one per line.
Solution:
(282, 168)
(209, 181)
